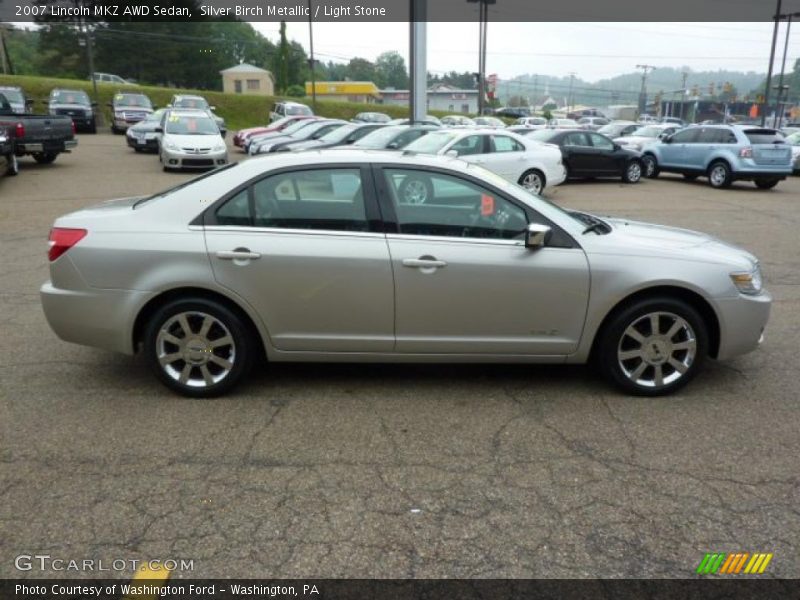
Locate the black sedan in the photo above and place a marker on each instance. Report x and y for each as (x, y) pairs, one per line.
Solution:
(588, 154)
(143, 136)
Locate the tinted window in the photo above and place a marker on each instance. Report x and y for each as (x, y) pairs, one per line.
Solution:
(314, 199)
(576, 139)
(764, 136)
(687, 136)
(503, 143)
(472, 144)
(452, 207)
(601, 142)
(716, 136)
(235, 211)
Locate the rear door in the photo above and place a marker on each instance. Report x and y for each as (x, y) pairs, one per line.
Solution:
(304, 248)
(506, 157)
(578, 154)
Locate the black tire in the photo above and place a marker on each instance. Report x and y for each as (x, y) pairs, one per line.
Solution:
(533, 180)
(650, 166)
(613, 339)
(44, 158)
(633, 172)
(12, 167)
(719, 175)
(198, 352)
(766, 183)
(689, 176)
(415, 190)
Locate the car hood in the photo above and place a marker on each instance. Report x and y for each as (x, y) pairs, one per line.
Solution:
(145, 126)
(648, 239)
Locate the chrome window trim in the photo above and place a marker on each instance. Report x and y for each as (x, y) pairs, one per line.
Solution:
(287, 231)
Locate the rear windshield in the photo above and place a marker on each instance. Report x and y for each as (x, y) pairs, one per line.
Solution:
(69, 97)
(13, 96)
(764, 136)
(184, 184)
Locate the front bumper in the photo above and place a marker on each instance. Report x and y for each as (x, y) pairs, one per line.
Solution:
(743, 320)
(143, 143)
(176, 159)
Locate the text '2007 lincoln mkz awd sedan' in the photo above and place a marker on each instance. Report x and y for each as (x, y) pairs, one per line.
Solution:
(317, 257)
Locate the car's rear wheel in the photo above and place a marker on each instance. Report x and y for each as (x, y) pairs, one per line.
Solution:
(13, 165)
(198, 347)
(766, 183)
(44, 158)
(633, 172)
(533, 181)
(653, 347)
(719, 175)
(650, 166)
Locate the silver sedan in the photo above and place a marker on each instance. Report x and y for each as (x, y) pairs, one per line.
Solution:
(316, 257)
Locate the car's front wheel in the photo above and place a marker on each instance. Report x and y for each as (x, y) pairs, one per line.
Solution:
(198, 347)
(650, 166)
(653, 347)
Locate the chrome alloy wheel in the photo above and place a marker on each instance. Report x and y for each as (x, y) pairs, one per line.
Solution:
(532, 182)
(657, 349)
(718, 175)
(195, 349)
(634, 172)
(415, 192)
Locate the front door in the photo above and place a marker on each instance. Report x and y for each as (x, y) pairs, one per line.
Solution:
(300, 247)
(464, 281)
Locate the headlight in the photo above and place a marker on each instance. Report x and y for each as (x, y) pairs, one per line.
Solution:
(170, 146)
(748, 283)
(219, 147)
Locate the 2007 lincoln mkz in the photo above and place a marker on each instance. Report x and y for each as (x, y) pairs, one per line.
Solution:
(331, 256)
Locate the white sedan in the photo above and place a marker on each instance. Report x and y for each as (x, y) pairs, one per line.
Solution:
(533, 165)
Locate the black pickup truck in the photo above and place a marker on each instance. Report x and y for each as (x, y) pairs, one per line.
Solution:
(8, 157)
(41, 136)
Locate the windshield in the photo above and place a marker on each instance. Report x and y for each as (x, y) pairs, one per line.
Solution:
(540, 135)
(296, 126)
(132, 100)
(191, 125)
(380, 138)
(70, 97)
(338, 134)
(431, 143)
(612, 128)
(298, 109)
(155, 116)
(13, 96)
(648, 132)
(192, 103)
(310, 130)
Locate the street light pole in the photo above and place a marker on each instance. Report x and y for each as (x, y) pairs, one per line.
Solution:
(311, 60)
(783, 69)
(771, 60)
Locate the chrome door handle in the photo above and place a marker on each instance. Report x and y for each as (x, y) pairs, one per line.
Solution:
(238, 254)
(424, 263)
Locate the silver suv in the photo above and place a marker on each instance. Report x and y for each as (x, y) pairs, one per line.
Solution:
(288, 109)
(723, 153)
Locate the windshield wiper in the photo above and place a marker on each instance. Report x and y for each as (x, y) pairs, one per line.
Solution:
(594, 224)
(596, 227)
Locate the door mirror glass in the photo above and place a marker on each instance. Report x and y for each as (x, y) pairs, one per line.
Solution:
(536, 235)
(452, 153)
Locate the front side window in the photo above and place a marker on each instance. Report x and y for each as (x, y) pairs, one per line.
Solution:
(576, 139)
(600, 142)
(436, 204)
(687, 136)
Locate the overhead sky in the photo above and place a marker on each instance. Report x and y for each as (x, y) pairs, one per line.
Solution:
(592, 50)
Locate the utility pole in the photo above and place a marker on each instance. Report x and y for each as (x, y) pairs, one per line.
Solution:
(777, 19)
(483, 19)
(643, 93)
(569, 94)
(418, 61)
(783, 68)
(311, 59)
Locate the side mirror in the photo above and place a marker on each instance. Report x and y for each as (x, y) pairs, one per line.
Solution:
(667, 139)
(452, 153)
(536, 235)
(393, 146)
(617, 146)
(159, 130)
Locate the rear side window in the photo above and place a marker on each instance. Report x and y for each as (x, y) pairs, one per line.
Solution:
(765, 136)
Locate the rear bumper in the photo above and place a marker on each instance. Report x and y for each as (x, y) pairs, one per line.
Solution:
(748, 169)
(743, 320)
(556, 176)
(93, 317)
(46, 147)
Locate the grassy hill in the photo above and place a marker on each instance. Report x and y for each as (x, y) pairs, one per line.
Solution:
(239, 111)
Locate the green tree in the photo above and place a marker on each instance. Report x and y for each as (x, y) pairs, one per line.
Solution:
(390, 71)
(360, 69)
(281, 67)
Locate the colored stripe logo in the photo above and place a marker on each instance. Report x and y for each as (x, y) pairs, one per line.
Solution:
(734, 563)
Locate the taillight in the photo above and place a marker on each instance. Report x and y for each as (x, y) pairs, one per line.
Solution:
(19, 131)
(62, 239)
(74, 129)
(746, 152)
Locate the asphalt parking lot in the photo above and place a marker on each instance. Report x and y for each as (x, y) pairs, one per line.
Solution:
(395, 471)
